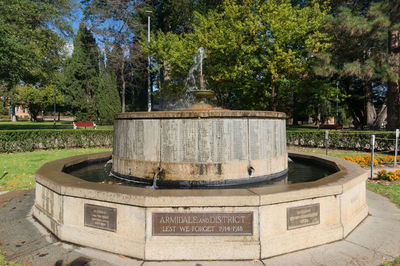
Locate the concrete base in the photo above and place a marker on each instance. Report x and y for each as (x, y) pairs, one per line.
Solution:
(60, 206)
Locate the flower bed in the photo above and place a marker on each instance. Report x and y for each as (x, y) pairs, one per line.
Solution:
(379, 160)
(389, 176)
(364, 161)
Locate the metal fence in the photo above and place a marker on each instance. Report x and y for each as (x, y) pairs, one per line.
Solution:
(374, 142)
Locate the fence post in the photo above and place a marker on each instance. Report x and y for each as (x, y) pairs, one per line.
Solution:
(372, 155)
(395, 147)
(326, 141)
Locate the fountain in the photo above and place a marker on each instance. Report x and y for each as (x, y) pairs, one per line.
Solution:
(213, 169)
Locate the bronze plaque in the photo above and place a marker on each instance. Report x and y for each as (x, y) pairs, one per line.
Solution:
(302, 216)
(101, 217)
(203, 224)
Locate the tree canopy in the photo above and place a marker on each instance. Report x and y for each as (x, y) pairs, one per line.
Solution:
(31, 42)
(252, 47)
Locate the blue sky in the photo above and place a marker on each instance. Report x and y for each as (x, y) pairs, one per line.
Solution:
(79, 15)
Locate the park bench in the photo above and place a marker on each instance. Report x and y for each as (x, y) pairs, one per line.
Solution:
(336, 127)
(84, 124)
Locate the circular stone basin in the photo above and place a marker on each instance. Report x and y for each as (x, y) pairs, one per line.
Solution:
(200, 148)
(299, 171)
(200, 224)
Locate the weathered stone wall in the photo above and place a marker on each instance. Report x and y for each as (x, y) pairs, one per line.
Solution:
(200, 148)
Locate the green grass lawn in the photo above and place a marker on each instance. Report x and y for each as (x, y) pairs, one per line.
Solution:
(24, 125)
(391, 191)
(5, 262)
(396, 262)
(17, 169)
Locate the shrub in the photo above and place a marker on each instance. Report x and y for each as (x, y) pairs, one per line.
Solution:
(29, 140)
(5, 117)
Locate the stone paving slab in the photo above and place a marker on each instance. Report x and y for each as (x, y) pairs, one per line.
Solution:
(17, 207)
(378, 234)
(205, 263)
(338, 253)
(24, 240)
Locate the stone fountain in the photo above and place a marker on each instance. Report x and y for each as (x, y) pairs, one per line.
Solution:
(209, 151)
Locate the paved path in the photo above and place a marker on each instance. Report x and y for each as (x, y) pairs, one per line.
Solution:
(24, 240)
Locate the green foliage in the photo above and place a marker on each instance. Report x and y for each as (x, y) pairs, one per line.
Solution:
(396, 262)
(360, 57)
(348, 140)
(107, 98)
(3, 107)
(79, 81)
(251, 48)
(5, 262)
(37, 99)
(29, 140)
(30, 47)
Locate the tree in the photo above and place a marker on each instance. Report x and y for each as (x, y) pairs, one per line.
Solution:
(114, 22)
(107, 98)
(252, 48)
(79, 81)
(360, 58)
(29, 44)
(37, 99)
(386, 14)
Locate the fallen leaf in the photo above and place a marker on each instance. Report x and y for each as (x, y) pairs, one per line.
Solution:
(42, 255)
(122, 256)
(59, 244)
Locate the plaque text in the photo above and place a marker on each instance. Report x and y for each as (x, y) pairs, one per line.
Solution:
(202, 224)
(302, 216)
(101, 217)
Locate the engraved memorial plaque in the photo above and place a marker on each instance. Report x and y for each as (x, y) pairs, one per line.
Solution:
(101, 217)
(202, 224)
(302, 216)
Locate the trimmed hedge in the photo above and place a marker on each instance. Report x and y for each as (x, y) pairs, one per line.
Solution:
(29, 140)
(349, 140)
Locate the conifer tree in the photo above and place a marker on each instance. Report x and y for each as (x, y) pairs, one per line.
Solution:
(107, 98)
(80, 76)
(365, 54)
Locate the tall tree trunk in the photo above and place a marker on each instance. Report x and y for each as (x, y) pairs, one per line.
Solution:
(274, 96)
(382, 115)
(393, 94)
(370, 113)
(123, 86)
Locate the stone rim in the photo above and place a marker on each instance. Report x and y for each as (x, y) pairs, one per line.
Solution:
(51, 175)
(199, 114)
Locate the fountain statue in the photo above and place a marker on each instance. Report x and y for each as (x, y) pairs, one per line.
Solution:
(196, 92)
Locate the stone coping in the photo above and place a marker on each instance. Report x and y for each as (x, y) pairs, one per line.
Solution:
(215, 113)
(51, 176)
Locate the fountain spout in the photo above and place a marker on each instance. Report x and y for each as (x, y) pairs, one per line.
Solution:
(156, 173)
